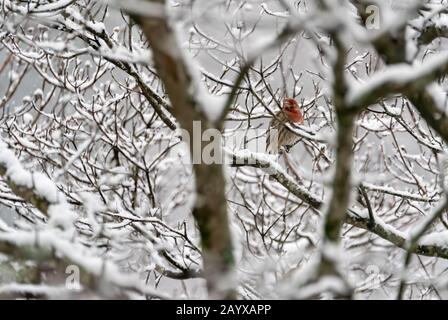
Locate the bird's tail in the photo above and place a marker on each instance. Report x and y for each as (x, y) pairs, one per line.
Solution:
(272, 146)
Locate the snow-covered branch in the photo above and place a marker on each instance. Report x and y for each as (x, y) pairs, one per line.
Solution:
(354, 216)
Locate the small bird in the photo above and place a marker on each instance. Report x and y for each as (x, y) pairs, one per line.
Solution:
(278, 134)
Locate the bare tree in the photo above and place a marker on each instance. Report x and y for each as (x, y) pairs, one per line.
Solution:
(133, 164)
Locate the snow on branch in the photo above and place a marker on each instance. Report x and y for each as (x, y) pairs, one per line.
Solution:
(399, 78)
(49, 245)
(36, 188)
(268, 164)
(354, 217)
(40, 191)
(192, 102)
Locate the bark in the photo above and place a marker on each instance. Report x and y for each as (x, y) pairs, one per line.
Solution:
(210, 211)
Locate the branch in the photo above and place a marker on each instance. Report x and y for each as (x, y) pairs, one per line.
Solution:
(210, 210)
(46, 246)
(412, 242)
(401, 78)
(34, 188)
(387, 46)
(353, 217)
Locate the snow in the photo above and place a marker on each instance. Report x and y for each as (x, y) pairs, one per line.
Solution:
(52, 6)
(38, 93)
(411, 46)
(76, 155)
(26, 99)
(92, 204)
(373, 124)
(268, 164)
(120, 53)
(149, 9)
(440, 97)
(77, 255)
(41, 186)
(26, 143)
(333, 252)
(211, 105)
(439, 239)
(332, 284)
(284, 14)
(13, 76)
(14, 170)
(53, 45)
(398, 74)
(98, 27)
(27, 118)
(110, 222)
(112, 180)
(61, 216)
(394, 110)
(390, 229)
(44, 187)
(396, 191)
(441, 21)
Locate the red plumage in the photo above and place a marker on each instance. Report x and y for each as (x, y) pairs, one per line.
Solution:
(278, 134)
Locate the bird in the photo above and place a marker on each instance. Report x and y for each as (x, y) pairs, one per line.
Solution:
(279, 135)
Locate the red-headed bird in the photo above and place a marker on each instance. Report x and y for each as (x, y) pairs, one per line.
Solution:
(278, 134)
